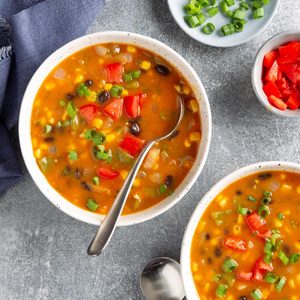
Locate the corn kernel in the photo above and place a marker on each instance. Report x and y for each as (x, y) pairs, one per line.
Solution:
(49, 114)
(298, 189)
(283, 176)
(286, 188)
(110, 137)
(107, 86)
(44, 146)
(78, 79)
(52, 121)
(193, 105)
(37, 153)
(197, 277)
(214, 242)
(240, 219)
(186, 90)
(97, 123)
(297, 245)
(195, 267)
(287, 212)
(236, 229)
(145, 65)
(294, 298)
(230, 297)
(50, 85)
(298, 279)
(155, 167)
(136, 182)
(123, 174)
(131, 49)
(223, 202)
(201, 225)
(206, 287)
(292, 283)
(195, 136)
(277, 223)
(43, 121)
(124, 93)
(187, 143)
(92, 97)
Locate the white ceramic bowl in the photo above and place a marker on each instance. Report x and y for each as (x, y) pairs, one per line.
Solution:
(257, 70)
(185, 260)
(119, 37)
(252, 28)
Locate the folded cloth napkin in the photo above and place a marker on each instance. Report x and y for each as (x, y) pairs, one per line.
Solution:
(30, 30)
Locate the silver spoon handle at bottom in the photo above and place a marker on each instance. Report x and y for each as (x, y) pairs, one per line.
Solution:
(108, 225)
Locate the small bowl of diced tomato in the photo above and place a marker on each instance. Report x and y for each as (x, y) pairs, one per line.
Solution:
(276, 74)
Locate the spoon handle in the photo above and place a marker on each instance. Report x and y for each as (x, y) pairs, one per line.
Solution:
(108, 225)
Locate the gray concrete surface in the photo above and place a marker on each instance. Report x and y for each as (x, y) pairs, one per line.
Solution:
(43, 251)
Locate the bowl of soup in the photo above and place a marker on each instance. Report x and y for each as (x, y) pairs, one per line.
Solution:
(89, 110)
(242, 241)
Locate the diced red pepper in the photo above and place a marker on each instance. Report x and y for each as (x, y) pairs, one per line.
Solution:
(105, 173)
(293, 101)
(290, 52)
(236, 244)
(131, 144)
(284, 87)
(254, 221)
(269, 58)
(271, 89)
(264, 234)
(278, 103)
(114, 72)
(245, 276)
(143, 97)
(89, 112)
(272, 73)
(114, 109)
(292, 71)
(260, 268)
(132, 106)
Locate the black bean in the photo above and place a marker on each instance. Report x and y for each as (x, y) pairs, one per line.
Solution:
(238, 192)
(218, 252)
(89, 82)
(207, 236)
(265, 176)
(85, 185)
(286, 249)
(169, 180)
(77, 173)
(243, 298)
(103, 97)
(163, 70)
(71, 96)
(134, 128)
(66, 171)
(49, 139)
(174, 134)
(209, 260)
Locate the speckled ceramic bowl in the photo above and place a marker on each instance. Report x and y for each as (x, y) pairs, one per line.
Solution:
(257, 70)
(119, 37)
(185, 258)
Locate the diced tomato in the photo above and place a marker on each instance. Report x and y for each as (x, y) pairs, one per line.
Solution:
(271, 89)
(258, 275)
(114, 109)
(270, 58)
(89, 112)
(236, 244)
(272, 73)
(290, 52)
(260, 268)
(114, 72)
(278, 103)
(264, 234)
(284, 87)
(292, 71)
(132, 106)
(254, 221)
(245, 276)
(131, 144)
(105, 173)
(293, 101)
(143, 97)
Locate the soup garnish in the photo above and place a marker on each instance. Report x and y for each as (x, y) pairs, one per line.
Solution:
(93, 115)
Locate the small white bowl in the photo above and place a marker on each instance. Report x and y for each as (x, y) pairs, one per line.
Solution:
(185, 258)
(118, 37)
(257, 70)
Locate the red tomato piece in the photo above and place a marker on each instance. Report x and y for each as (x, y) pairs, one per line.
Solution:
(293, 101)
(245, 276)
(260, 268)
(284, 87)
(278, 103)
(269, 58)
(114, 109)
(271, 89)
(264, 234)
(143, 97)
(272, 73)
(290, 52)
(131, 144)
(254, 221)
(89, 112)
(132, 106)
(236, 244)
(105, 173)
(114, 72)
(292, 71)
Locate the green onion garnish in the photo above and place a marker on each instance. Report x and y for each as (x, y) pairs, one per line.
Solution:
(92, 204)
(243, 211)
(83, 90)
(264, 211)
(116, 90)
(213, 11)
(279, 286)
(162, 189)
(270, 277)
(209, 28)
(280, 216)
(96, 180)
(229, 265)
(62, 102)
(283, 257)
(256, 294)
(221, 290)
(230, 2)
(71, 109)
(258, 13)
(251, 198)
(294, 258)
(73, 155)
(239, 14)
(47, 129)
(96, 137)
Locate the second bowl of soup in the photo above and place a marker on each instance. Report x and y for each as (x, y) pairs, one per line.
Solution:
(89, 110)
(242, 241)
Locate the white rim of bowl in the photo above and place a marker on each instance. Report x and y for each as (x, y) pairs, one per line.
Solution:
(234, 44)
(185, 261)
(65, 51)
(257, 69)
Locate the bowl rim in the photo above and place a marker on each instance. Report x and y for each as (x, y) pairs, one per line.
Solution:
(187, 277)
(246, 40)
(257, 69)
(65, 51)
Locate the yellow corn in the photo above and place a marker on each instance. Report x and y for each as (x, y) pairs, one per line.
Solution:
(206, 287)
(123, 174)
(92, 97)
(131, 49)
(43, 121)
(44, 146)
(193, 105)
(230, 297)
(37, 153)
(201, 225)
(110, 137)
(287, 212)
(195, 136)
(186, 90)
(50, 85)
(136, 182)
(292, 283)
(145, 65)
(223, 202)
(195, 267)
(52, 121)
(97, 123)
(277, 223)
(187, 143)
(49, 114)
(294, 297)
(286, 188)
(282, 176)
(78, 79)
(236, 229)
(197, 277)
(240, 219)
(124, 93)
(298, 279)
(298, 189)
(214, 242)
(297, 245)
(107, 86)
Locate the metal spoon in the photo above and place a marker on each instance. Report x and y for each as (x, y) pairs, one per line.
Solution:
(161, 280)
(108, 225)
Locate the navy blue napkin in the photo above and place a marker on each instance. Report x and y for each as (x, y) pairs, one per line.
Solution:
(30, 30)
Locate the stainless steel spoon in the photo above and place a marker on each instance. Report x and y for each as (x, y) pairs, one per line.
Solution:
(161, 280)
(108, 225)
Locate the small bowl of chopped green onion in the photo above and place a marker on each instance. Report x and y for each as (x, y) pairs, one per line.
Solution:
(223, 23)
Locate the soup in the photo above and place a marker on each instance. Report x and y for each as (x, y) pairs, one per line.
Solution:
(247, 243)
(93, 115)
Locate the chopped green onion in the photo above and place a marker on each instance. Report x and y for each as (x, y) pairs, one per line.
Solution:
(212, 2)
(283, 257)
(280, 216)
(256, 4)
(71, 109)
(268, 247)
(243, 211)
(162, 189)
(192, 8)
(221, 290)
(83, 90)
(134, 84)
(45, 163)
(116, 90)
(217, 277)
(92, 204)
(268, 258)
(229, 265)
(294, 258)
(201, 18)
(47, 129)
(203, 3)
(244, 5)
(264, 211)
(256, 294)
(73, 155)
(62, 102)
(136, 74)
(270, 277)
(209, 28)
(213, 11)
(230, 2)
(229, 278)
(279, 286)
(224, 7)
(251, 198)
(258, 13)
(127, 77)
(96, 137)
(229, 14)
(239, 14)
(96, 180)
(239, 25)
